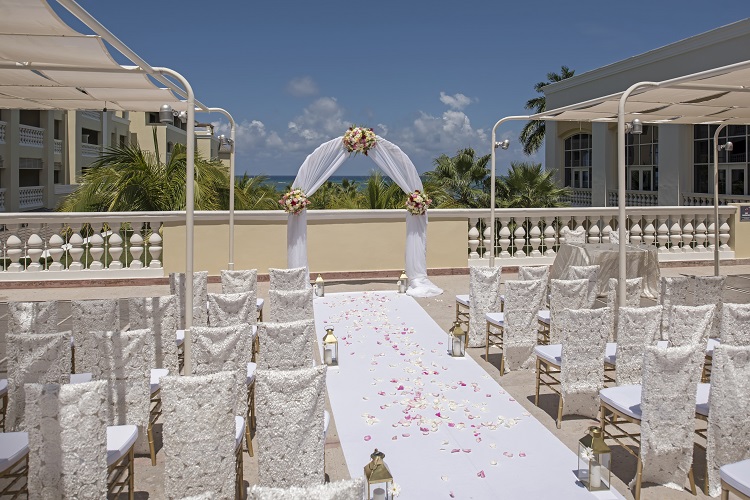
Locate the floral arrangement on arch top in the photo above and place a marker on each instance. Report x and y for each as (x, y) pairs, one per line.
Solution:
(294, 201)
(359, 139)
(418, 202)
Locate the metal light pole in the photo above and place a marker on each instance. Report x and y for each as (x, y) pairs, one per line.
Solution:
(728, 147)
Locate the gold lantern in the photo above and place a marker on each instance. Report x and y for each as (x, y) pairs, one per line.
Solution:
(377, 472)
(330, 348)
(403, 283)
(320, 287)
(594, 459)
(458, 340)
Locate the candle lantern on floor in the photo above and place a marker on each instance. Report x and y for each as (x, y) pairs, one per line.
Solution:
(320, 287)
(594, 459)
(377, 473)
(458, 340)
(403, 283)
(330, 348)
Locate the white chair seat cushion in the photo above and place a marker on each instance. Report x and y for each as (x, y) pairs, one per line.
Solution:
(3, 386)
(180, 337)
(13, 446)
(701, 399)
(326, 421)
(251, 367)
(737, 475)
(80, 378)
(259, 304)
(495, 318)
(239, 431)
(553, 353)
(610, 355)
(627, 399)
(712, 343)
(156, 374)
(502, 298)
(543, 316)
(463, 300)
(120, 438)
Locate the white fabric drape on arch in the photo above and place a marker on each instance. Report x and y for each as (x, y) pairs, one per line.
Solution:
(322, 163)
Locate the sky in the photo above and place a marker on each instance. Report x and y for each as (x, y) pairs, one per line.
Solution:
(432, 77)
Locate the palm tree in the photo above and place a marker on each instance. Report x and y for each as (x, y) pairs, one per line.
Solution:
(463, 177)
(380, 193)
(526, 185)
(253, 193)
(532, 134)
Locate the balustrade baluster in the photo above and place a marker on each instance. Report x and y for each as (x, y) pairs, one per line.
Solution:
(710, 233)
(535, 237)
(687, 234)
(14, 250)
(504, 239)
(34, 250)
(565, 227)
(473, 239)
(519, 239)
(56, 251)
(700, 233)
(487, 240)
(675, 234)
(724, 233)
(594, 233)
(114, 246)
(550, 234)
(155, 247)
(636, 232)
(136, 249)
(96, 250)
(76, 249)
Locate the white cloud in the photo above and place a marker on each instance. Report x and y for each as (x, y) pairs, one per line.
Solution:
(455, 101)
(303, 86)
(381, 129)
(322, 120)
(431, 136)
(250, 135)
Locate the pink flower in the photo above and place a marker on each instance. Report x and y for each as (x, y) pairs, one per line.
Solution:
(480, 474)
(368, 437)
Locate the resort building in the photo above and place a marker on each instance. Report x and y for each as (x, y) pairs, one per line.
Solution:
(667, 164)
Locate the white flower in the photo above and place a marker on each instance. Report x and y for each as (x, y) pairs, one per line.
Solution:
(395, 489)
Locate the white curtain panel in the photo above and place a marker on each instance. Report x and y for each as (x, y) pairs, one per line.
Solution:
(161, 316)
(32, 317)
(637, 327)
(322, 163)
(735, 324)
(239, 281)
(484, 297)
(225, 309)
(348, 489)
(523, 300)
(633, 290)
(286, 346)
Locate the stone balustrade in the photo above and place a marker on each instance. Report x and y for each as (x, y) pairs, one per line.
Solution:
(705, 200)
(2, 132)
(31, 136)
(92, 115)
(31, 197)
(635, 198)
(58, 146)
(90, 150)
(2, 199)
(579, 197)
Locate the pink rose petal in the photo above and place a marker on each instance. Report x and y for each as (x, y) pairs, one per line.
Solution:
(508, 454)
(406, 435)
(480, 474)
(455, 450)
(466, 450)
(368, 437)
(522, 454)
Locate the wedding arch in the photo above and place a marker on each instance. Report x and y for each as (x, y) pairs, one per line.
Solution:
(323, 162)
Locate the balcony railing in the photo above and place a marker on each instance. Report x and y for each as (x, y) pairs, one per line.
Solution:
(31, 136)
(31, 197)
(92, 115)
(579, 198)
(2, 199)
(635, 198)
(704, 200)
(58, 146)
(90, 150)
(2, 132)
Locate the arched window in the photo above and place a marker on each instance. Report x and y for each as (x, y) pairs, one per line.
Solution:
(578, 161)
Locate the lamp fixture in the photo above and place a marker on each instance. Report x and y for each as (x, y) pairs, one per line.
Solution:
(502, 144)
(635, 127)
(728, 146)
(167, 114)
(226, 145)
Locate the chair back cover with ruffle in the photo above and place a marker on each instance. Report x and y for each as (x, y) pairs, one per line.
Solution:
(670, 381)
(67, 428)
(347, 489)
(224, 349)
(633, 289)
(614, 236)
(289, 408)
(568, 294)
(710, 290)
(584, 342)
(161, 316)
(225, 309)
(288, 279)
(690, 325)
(199, 435)
(294, 305)
(200, 296)
(523, 300)
(97, 315)
(34, 359)
(729, 401)
(533, 273)
(574, 236)
(637, 327)
(286, 346)
(239, 281)
(484, 297)
(735, 324)
(582, 272)
(673, 291)
(33, 317)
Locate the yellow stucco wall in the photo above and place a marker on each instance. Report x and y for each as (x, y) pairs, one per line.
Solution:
(740, 235)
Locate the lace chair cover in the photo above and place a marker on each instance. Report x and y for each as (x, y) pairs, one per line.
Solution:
(67, 428)
(614, 236)
(200, 296)
(348, 489)
(484, 297)
(224, 349)
(577, 236)
(710, 290)
(637, 328)
(584, 342)
(94, 316)
(533, 273)
(633, 289)
(729, 400)
(690, 325)
(582, 272)
(225, 309)
(161, 316)
(33, 317)
(568, 294)
(239, 281)
(293, 305)
(286, 346)
(523, 300)
(673, 291)
(32, 359)
(735, 324)
(289, 408)
(670, 380)
(198, 435)
(288, 279)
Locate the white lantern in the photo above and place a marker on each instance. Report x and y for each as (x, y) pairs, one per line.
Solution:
(403, 283)
(320, 287)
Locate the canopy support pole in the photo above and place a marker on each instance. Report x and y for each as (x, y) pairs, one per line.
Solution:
(716, 198)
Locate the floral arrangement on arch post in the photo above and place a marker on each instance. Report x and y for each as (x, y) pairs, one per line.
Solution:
(418, 202)
(359, 140)
(294, 201)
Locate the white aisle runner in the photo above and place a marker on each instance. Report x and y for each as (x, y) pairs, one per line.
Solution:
(447, 429)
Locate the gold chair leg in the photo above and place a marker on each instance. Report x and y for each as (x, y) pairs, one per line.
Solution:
(691, 479)
(239, 480)
(638, 479)
(724, 493)
(559, 411)
(3, 411)
(131, 473)
(502, 363)
(151, 447)
(487, 344)
(538, 376)
(72, 359)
